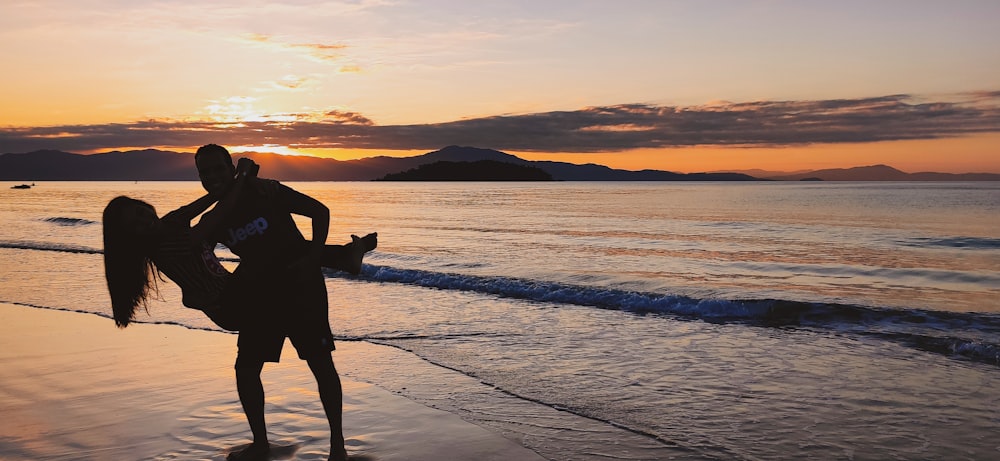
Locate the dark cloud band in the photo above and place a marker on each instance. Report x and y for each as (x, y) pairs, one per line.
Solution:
(593, 129)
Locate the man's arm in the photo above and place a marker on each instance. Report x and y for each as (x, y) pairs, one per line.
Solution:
(302, 204)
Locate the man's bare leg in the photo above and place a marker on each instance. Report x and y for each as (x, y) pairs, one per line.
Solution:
(332, 395)
(251, 392)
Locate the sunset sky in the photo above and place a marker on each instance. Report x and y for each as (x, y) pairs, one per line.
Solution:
(673, 85)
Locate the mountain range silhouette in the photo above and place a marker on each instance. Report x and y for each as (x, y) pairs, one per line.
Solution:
(158, 165)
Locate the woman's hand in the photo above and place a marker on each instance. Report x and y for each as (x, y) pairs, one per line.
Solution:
(246, 168)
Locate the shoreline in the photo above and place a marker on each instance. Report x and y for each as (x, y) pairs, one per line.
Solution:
(72, 386)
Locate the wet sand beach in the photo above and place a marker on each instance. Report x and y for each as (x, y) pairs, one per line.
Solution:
(72, 386)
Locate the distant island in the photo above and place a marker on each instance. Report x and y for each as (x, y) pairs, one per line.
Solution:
(159, 165)
(880, 173)
(480, 170)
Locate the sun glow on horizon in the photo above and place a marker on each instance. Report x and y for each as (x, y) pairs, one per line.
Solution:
(979, 154)
(352, 154)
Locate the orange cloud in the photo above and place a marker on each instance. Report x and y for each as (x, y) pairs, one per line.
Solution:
(318, 51)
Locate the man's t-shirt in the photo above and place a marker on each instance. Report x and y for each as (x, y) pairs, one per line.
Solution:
(274, 293)
(260, 229)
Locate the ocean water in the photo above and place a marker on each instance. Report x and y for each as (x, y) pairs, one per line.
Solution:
(621, 321)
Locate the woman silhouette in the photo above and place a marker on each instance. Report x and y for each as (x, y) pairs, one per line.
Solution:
(140, 247)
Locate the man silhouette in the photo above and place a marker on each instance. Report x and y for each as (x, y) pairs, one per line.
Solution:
(281, 288)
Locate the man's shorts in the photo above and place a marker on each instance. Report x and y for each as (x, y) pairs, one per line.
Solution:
(292, 305)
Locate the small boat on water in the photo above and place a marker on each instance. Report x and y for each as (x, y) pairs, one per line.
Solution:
(22, 186)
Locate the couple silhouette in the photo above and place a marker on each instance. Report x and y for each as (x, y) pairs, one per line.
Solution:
(277, 291)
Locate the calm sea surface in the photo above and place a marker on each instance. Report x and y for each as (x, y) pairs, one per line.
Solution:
(595, 321)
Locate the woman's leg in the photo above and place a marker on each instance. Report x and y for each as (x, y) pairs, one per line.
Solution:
(348, 257)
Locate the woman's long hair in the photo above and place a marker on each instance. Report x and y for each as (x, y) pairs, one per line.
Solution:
(130, 272)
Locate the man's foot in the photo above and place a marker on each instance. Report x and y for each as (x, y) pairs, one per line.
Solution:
(253, 452)
(338, 456)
